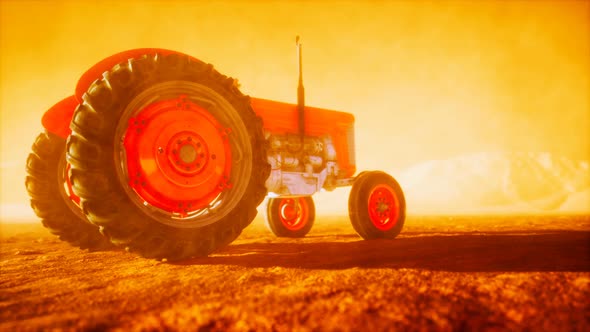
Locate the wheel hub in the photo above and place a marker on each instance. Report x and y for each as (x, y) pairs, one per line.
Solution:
(293, 213)
(290, 212)
(187, 153)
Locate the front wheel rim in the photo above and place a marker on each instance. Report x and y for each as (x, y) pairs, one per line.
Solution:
(383, 206)
(293, 213)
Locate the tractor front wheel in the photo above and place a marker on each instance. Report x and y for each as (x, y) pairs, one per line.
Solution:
(376, 206)
(290, 216)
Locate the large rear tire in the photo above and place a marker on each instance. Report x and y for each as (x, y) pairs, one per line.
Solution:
(168, 157)
(290, 216)
(376, 206)
(48, 188)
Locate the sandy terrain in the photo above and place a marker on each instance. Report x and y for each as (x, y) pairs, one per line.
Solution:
(441, 273)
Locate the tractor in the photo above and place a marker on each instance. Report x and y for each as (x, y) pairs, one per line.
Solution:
(159, 153)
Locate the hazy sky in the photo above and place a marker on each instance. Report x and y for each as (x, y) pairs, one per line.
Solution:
(425, 80)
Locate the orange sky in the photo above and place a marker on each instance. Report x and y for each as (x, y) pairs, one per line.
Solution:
(425, 80)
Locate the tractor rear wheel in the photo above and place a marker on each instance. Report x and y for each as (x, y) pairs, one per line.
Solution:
(290, 216)
(376, 206)
(52, 199)
(168, 157)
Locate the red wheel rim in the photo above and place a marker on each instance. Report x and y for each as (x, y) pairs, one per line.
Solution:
(178, 156)
(293, 213)
(69, 190)
(383, 207)
(66, 189)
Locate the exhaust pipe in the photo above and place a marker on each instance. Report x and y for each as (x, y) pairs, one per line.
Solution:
(300, 94)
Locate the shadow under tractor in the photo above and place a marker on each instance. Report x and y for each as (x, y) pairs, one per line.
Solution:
(161, 154)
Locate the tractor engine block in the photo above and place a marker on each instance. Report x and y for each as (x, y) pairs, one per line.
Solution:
(300, 167)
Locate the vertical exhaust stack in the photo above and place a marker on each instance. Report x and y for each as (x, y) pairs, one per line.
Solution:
(300, 94)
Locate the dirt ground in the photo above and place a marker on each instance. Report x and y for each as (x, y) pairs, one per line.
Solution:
(441, 273)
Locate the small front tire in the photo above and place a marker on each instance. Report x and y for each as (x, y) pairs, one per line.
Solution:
(376, 206)
(290, 216)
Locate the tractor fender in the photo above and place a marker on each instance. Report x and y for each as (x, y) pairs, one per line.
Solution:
(57, 119)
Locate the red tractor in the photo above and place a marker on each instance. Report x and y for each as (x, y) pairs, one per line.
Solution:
(159, 153)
